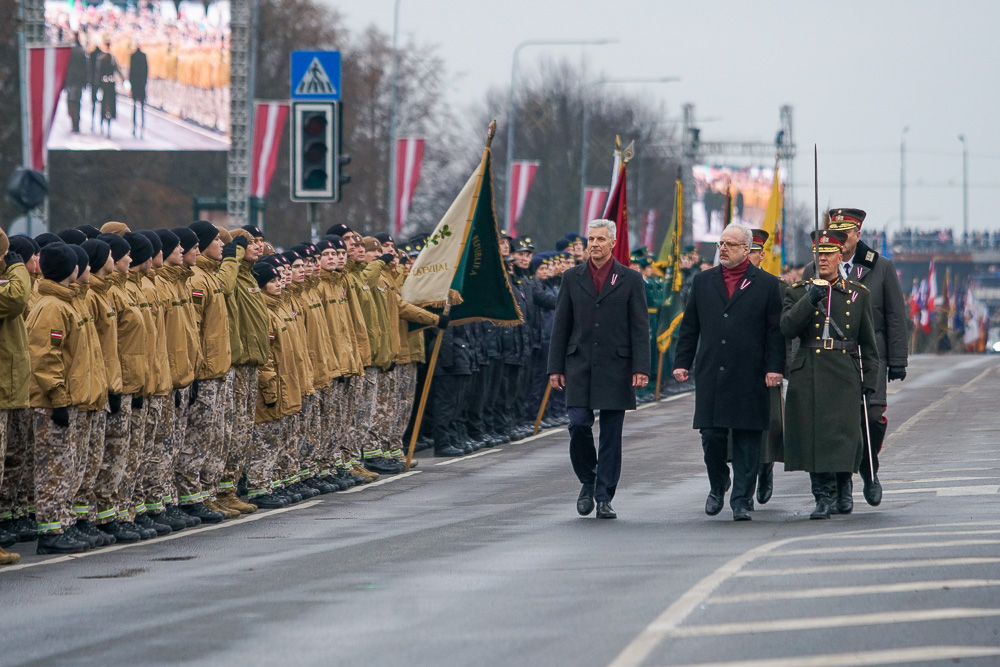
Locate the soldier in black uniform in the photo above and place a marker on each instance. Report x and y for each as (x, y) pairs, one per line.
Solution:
(864, 265)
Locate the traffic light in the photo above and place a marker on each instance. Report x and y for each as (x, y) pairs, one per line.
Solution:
(316, 158)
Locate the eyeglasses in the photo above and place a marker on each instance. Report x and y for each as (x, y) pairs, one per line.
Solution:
(730, 246)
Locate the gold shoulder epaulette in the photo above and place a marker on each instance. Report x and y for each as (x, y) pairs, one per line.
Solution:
(857, 285)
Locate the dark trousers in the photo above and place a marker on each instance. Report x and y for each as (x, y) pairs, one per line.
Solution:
(444, 406)
(539, 380)
(601, 467)
(746, 460)
(475, 404)
(877, 425)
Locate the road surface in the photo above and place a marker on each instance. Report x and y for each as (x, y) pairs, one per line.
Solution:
(483, 561)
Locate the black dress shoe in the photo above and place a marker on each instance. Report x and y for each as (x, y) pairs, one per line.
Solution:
(741, 514)
(765, 483)
(604, 510)
(873, 491)
(585, 501)
(822, 510)
(714, 503)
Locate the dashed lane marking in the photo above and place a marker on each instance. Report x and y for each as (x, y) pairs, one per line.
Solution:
(247, 518)
(824, 622)
(848, 591)
(381, 482)
(961, 561)
(884, 547)
(936, 480)
(898, 656)
(466, 458)
(949, 491)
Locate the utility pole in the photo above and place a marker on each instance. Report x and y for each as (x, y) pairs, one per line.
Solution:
(965, 189)
(902, 179)
(393, 104)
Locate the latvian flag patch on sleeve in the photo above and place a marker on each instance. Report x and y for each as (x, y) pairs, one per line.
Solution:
(56, 337)
(197, 295)
(270, 335)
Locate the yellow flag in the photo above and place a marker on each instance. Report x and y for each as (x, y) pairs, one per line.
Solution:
(772, 225)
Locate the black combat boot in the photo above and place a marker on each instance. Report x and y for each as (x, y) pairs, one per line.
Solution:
(74, 533)
(119, 533)
(199, 511)
(146, 521)
(845, 493)
(821, 492)
(765, 483)
(88, 528)
(60, 544)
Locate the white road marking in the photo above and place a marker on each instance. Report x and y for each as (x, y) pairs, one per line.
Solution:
(896, 656)
(886, 565)
(884, 547)
(848, 591)
(676, 397)
(466, 458)
(246, 518)
(949, 491)
(930, 533)
(384, 480)
(936, 480)
(824, 622)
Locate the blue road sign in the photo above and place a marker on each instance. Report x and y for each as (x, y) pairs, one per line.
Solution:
(315, 75)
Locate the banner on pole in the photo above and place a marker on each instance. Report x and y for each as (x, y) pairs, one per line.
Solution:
(409, 157)
(268, 128)
(521, 176)
(46, 75)
(593, 206)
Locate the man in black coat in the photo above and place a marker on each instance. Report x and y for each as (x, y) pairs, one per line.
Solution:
(76, 81)
(599, 354)
(731, 321)
(138, 74)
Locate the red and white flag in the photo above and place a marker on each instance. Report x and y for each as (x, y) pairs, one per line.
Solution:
(931, 300)
(522, 174)
(409, 156)
(46, 75)
(268, 128)
(649, 219)
(593, 205)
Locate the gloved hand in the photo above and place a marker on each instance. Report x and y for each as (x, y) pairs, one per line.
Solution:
(194, 393)
(114, 403)
(816, 294)
(137, 402)
(60, 417)
(442, 321)
(869, 392)
(342, 379)
(12, 258)
(271, 405)
(241, 241)
(897, 373)
(177, 399)
(387, 258)
(229, 250)
(392, 367)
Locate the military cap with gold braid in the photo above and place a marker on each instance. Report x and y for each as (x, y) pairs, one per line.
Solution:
(830, 240)
(844, 219)
(759, 239)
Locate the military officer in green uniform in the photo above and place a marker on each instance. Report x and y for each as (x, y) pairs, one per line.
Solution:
(832, 319)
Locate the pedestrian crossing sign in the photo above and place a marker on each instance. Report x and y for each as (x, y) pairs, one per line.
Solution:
(315, 75)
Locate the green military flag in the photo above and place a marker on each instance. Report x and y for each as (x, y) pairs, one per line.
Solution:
(460, 269)
(671, 310)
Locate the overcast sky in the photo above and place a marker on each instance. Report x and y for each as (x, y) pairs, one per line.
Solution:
(855, 72)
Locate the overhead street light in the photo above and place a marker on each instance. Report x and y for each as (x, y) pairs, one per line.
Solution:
(965, 189)
(511, 120)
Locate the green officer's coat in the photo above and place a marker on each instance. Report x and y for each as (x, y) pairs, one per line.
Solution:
(823, 429)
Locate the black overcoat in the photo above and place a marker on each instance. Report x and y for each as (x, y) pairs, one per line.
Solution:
(600, 341)
(732, 343)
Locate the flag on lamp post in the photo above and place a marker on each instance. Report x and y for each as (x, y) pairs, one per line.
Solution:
(268, 130)
(649, 227)
(593, 205)
(409, 157)
(616, 210)
(522, 173)
(46, 74)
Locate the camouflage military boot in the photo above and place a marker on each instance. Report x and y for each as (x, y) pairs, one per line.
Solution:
(8, 558)
(231, 501)
(225, 511)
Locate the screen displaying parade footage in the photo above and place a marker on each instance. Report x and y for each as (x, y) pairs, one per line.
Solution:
(146, 75)
(750, 189)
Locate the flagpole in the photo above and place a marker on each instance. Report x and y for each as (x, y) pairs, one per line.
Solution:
(541, 409)
(659, 375)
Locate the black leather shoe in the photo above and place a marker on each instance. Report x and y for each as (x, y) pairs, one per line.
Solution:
(765, 483)
(60, 544)
(119, 532)
(448, 451)
(741, 514)
(873, 492)
(822, 510)
(199, 511)
(604, 510)
(714, 503)
(585, 501)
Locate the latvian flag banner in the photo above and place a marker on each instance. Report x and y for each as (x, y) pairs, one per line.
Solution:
(46, 75)
(593, 206)
(268, 129)
(409, 156)
(521, 175)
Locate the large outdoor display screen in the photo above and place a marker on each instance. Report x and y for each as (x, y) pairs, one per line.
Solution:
(750, 190)
(146, 75)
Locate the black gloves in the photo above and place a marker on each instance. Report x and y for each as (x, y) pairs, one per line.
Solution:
(114, 403)
(229, 250)
(442, 321)
(387, 258)
(137, 402)
(194, 393)
(392, 367)
(177, 399)
(816, 294)
(341, 380)
(12, 258)
(897, 373)
(271, 405)
(869, 392)
(241, 241)
(60, 417)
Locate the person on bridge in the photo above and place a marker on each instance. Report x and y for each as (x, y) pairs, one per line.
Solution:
(832, 319)
(599, 353)
(889, 315)
(731, 323)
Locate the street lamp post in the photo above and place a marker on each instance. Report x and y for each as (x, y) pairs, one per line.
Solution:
(511, 120)
(392, 119)
(902, 179)
(585, 148)
(965, 190)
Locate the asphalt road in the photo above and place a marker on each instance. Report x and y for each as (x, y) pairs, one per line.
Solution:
(483, 561)
(163, 132)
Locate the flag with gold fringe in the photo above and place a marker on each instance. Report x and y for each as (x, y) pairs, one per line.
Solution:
(772, 225)
(672, 310)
